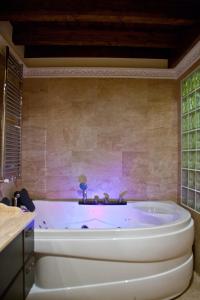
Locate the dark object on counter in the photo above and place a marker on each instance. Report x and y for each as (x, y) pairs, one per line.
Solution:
(6, 201)
(24, 199)
(16, 199)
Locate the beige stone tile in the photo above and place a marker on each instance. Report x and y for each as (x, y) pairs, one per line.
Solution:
(80, 138)
(134, 165)
(158, 191)
(33, 172)
(56, 183)
(96, 162)
(108, 142)
(38, 120)
(120, 139)
(36, 169)
(34, 138)
(162, 89)
(57, 108)
(136, 134)
(73, 89)
(33, 156)
(90, 125)
(115, 113)
(136, 189)
(58, 163)
(163, 166)
(122, 88)
(35, 85)
(64, 187)
(162, 138)
(36, 187)
(57, 195)
(55, 140)
(102, 114)
(34, 105)
(161, 120)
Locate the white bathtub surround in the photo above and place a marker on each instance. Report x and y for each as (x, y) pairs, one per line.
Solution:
(149, 257)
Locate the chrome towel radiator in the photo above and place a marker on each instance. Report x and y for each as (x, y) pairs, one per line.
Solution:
(11, 116)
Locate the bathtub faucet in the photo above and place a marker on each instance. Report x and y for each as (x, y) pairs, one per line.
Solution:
(121, 196)
(83, 187)
(84, 195)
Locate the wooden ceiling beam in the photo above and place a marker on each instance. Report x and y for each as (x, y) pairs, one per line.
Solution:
(55, 35)
(110, 17)
(86, 51)
(191, 37)
(103, 28)
(176, 7)
(138, 11)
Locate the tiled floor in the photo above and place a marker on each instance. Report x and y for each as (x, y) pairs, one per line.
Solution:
(193, 292)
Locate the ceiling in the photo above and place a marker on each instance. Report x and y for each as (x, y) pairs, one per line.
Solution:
(151, 29)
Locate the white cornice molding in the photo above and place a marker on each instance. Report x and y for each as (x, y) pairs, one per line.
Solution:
(189, 59)
(99, 72)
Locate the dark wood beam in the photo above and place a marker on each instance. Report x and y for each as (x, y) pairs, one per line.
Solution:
(176, 7)
(62, 35)
(110, 17)
(107, 26)
(104, 28)
(84, 51)
(138, 11)
(191, 37)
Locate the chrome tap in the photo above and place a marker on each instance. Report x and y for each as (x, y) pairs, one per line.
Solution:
(106, 197)
(121, 195)
(84, 195)
(83, 187)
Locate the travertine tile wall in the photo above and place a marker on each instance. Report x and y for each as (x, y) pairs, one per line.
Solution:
(121, 133)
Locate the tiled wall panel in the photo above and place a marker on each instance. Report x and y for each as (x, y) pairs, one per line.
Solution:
(121, 133)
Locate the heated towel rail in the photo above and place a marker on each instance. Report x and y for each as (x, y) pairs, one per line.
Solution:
(11, 115)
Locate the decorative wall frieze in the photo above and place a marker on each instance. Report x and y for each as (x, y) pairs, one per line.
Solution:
(100, 72)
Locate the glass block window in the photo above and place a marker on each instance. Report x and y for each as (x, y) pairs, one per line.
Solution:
(190, 141)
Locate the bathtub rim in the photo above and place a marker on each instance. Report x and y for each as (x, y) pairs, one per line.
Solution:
(175, 225)
(115, 233)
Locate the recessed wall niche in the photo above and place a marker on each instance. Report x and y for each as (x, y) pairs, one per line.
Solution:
(190, 140)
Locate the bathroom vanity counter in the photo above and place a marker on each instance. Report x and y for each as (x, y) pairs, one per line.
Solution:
(12, 221)
(16, 253)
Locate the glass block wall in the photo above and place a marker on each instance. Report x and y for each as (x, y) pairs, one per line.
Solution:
(190, 141)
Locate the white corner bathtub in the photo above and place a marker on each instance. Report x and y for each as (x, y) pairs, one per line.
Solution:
(138, 251)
